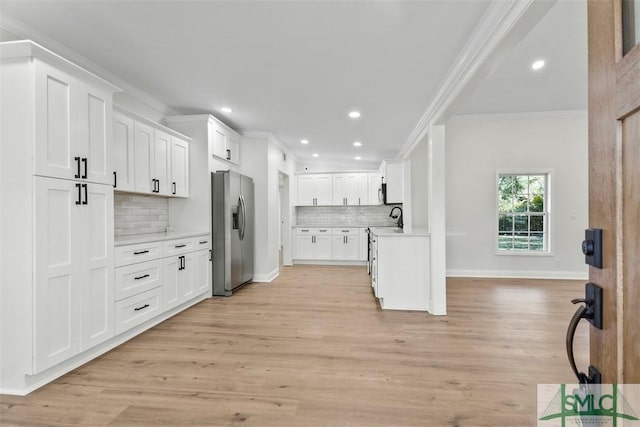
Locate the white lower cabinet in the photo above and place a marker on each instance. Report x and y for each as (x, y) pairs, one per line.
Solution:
(346, 244)
(313, 244)
(167, 273)
(137, 309)
(74, 268)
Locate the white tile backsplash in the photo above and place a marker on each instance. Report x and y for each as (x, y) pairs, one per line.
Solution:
(355, 216)
(138, 214)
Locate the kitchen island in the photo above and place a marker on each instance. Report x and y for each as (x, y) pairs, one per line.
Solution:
(399, 266)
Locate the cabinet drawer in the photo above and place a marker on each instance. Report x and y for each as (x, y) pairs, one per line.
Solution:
(136, 278)
(304, 231)
(346, 231)
(179, 246)
(132, 254)
(321, 231)
(137, 309)
(203, 242)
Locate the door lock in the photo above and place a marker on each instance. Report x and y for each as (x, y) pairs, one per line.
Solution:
(592, 247)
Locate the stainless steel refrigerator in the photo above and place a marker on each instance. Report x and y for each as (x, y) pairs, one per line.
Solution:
(232, 216)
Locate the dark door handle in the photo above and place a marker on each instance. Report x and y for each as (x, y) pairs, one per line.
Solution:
(592, 311)
(77, 159)
(79, 187)
(86, 194)
(84, 162)
(174, 188)
(115, 179)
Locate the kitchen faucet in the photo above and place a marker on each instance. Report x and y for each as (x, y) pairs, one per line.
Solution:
(399, 217)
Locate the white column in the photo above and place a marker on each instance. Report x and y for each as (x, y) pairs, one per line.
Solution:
(437, 224)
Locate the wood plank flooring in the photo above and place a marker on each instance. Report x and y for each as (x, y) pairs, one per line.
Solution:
(314, 349)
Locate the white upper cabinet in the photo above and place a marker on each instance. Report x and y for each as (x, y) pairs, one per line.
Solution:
(72, 130)
(148, 157)
(374, 183)
(160, 167)
(179, 167)
(315, 190)
(123, 157)
(143, 144)
(350, 189)
(393, 172)
(225, 142)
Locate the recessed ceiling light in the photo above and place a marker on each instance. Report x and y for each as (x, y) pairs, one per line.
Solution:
(537, 64)
(304, 141)
(316, 155)
(226, 110)
(358, 157)
(354, 114)
(357, 144)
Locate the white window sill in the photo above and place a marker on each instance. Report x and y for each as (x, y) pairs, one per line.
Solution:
(524, 253)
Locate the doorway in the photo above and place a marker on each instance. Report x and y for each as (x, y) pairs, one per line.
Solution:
(284, 222)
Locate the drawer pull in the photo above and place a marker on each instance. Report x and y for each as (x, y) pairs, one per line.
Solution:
(141, 252)
(141, 277)
(179, 246)
(345, 231)
(202, 242)
(141, 308)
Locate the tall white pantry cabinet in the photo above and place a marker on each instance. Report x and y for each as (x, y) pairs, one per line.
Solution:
(56, 223)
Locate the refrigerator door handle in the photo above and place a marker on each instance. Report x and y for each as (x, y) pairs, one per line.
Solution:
(244, 217)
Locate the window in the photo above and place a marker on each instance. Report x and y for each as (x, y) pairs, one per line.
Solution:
(523, 213)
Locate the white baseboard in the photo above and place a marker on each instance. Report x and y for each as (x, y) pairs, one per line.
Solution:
(521, 274)
(327, 262)
(265, 278)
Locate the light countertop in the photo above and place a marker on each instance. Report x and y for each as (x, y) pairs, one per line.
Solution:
(340, 226)
(156, 237)
(393, 232)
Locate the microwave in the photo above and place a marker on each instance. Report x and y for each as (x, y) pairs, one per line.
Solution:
(382, 193)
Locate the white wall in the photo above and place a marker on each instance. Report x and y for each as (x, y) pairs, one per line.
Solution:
(477, 146)
(261, 158)
(419, 173)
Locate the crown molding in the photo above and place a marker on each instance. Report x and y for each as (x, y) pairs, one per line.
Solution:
(496, 23)
(25, 31)
(515, 116)
(271, 138)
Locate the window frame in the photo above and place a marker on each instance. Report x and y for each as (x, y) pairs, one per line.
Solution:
(548, 222)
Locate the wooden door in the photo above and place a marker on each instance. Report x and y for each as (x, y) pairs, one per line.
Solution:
(614, 186)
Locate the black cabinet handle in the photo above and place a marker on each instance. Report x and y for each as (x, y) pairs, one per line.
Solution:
(228, 154)
(174, 188)
(181, 264)
(84, 162)
(141, 308)
(202, 242)
(141, 252)
(141, 277)
(210, 255)
(79, 187)
(179, 246)
(115, 179)
(86, 194)
(77, 159)
(153, 185)
(157, 185)
(184, 262)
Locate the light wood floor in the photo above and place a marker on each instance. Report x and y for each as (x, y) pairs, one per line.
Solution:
(313, 349)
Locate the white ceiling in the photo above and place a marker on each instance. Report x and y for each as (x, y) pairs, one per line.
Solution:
(297, 68)
(509, 85)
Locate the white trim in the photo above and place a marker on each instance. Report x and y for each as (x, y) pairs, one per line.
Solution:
(515, 116)
(271, 138)
(266, 278)
(59, 370)
(150, 122)
(494, 26)
(328, 262)
(23, 30)
(521, 274)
